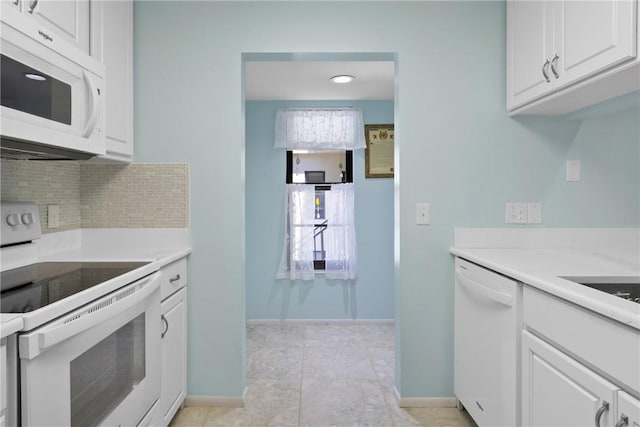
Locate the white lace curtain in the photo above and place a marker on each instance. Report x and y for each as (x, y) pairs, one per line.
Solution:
(319, 129)
(301, 227)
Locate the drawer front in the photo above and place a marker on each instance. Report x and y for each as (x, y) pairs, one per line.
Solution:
(174, 277)
(602, 343)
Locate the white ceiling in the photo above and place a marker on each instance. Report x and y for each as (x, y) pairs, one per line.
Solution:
(309, 80)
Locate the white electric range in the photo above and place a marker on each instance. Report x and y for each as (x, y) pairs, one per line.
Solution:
(88, 341)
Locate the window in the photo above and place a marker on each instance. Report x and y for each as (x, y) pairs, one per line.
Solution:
(305, 167)
(319, 201)
(319, 221)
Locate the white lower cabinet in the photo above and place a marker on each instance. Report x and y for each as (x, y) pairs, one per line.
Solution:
(174, 356)
(558, 391)
(3, 382)
(8, 382)
(628, 411)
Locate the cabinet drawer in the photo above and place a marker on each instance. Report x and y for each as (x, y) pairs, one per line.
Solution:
(602, 343)
(174, 277)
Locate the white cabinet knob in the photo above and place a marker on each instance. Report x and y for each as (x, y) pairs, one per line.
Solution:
(27, 218)
(13, 219)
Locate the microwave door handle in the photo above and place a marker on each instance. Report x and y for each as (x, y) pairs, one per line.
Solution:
(56, 334)
(93, 103)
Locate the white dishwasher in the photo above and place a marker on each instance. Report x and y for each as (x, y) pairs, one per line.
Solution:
(488, 321)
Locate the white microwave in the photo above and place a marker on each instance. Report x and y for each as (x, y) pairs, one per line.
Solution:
(52, 94)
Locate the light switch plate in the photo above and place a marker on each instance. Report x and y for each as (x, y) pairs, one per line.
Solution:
(534, 213)
(573, 170)
(422, 213)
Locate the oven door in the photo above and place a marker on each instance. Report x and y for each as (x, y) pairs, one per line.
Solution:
(98, 365)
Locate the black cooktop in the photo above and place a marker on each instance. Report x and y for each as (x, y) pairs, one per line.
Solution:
(34, 286)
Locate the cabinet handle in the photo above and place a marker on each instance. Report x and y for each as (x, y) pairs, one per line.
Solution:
(544, 71)
(174, 278)
(604, 408)
(554, 62)
(166, 326)
(32, 5)
(623, 422)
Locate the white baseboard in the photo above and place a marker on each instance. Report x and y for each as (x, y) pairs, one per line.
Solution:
(424, 402)
(227, 402)
(318, 321)
(427, 402)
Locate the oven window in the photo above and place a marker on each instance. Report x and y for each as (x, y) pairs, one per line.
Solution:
(103, 376)
(33, 92)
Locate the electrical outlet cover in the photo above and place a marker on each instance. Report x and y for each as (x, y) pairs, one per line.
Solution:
(53, 216)
(516, 213)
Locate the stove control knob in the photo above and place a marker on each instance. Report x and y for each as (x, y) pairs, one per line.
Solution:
(13, 219)
(27, 218)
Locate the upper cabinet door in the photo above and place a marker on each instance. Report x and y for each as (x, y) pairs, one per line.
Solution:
(563, 55)
(112, 44)
(529, 50)
(591, 36)
(68, 18)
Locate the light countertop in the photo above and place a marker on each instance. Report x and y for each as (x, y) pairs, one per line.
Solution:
(10, 324)
(157, 247)
(545, 268)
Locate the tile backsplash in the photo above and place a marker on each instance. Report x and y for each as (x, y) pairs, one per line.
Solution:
(45, 183)
(134, 196)
(101, 196)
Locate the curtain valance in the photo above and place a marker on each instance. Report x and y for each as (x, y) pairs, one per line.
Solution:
(319, 129)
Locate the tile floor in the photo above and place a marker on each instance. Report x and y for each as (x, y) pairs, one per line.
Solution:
(320, 374)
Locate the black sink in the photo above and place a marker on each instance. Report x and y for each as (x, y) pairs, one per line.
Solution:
(623, 287)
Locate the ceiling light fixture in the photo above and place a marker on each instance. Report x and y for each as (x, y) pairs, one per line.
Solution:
(37, 77)
(342, 78)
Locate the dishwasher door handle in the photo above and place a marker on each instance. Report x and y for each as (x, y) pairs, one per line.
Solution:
(484, 291)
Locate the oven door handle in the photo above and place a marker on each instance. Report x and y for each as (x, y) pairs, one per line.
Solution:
(97, 312)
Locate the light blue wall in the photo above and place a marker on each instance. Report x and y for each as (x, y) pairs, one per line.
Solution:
(457, 149)
(371, 296)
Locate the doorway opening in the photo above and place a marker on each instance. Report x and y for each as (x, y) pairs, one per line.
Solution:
(291, 323)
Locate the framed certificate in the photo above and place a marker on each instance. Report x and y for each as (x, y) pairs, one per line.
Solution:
(378, 157)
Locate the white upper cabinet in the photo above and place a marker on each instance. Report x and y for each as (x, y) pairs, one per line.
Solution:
(66, 18)
(112, 44)
(558, 53)
(591, 36)
(529, 45)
